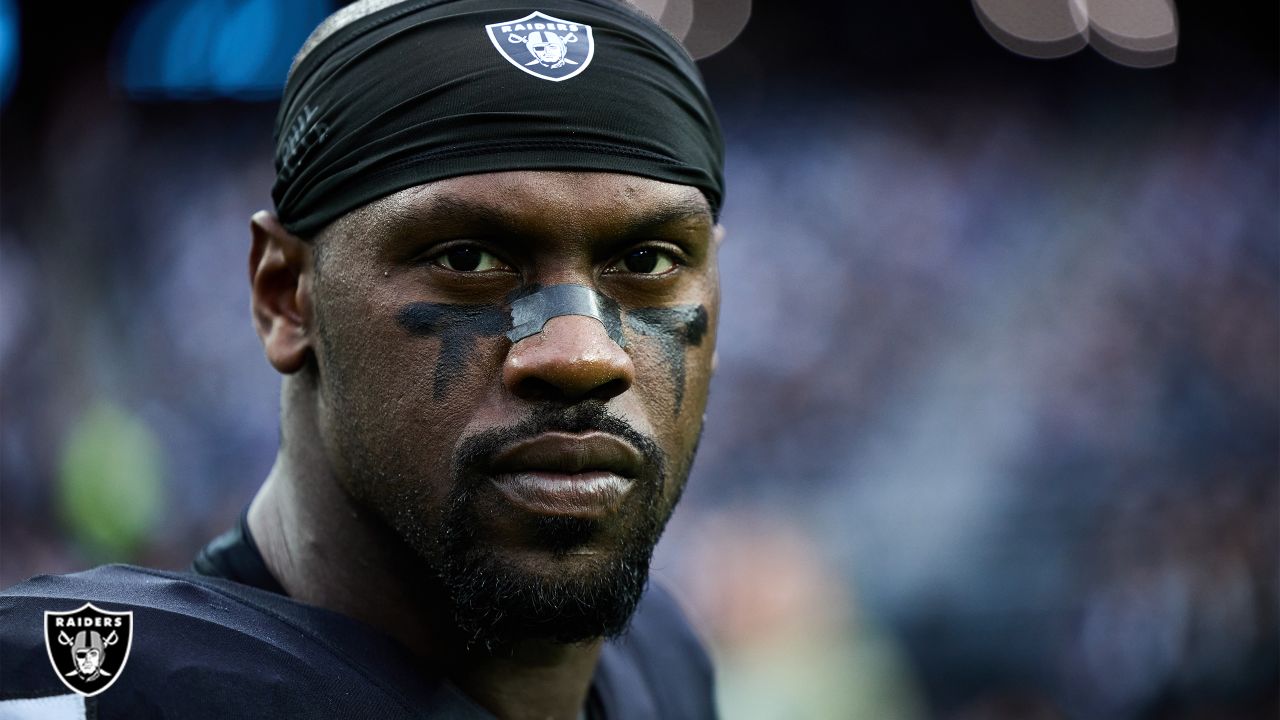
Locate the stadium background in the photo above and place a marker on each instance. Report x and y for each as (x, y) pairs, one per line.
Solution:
(994, 433)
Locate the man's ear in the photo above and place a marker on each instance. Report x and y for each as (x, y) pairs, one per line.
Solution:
(280, 274)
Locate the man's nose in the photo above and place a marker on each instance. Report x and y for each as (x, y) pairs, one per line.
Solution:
(572, 359)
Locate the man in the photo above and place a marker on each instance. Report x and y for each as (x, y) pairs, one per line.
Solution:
(491, 290)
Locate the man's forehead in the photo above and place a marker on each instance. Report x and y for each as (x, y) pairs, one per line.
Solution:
(537, 197)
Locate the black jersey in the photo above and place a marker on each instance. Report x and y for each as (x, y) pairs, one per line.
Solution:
(223, 641)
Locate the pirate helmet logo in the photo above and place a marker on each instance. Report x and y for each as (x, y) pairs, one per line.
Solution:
(88, 646)
(543, 46)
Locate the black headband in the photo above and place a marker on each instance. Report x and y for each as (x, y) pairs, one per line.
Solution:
(429, 89)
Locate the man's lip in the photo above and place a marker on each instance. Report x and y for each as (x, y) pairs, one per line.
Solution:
(590, 495)
(566, 454)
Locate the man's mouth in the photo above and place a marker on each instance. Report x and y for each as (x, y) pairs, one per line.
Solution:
(583, 475)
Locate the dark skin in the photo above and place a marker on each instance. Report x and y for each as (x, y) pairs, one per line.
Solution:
(376, 399)
(460, 326)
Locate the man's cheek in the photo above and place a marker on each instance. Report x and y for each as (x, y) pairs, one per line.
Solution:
(459, 330)
(671, 335)
(379, 396)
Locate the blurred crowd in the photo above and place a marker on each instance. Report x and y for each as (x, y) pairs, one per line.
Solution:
(994, 432)
(1014, 377)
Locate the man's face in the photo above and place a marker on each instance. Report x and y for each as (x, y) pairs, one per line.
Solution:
(534, 478)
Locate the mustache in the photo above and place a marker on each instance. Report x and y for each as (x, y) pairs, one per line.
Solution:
(475, 454)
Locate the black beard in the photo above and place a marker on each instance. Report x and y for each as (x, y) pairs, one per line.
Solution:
(497, 604)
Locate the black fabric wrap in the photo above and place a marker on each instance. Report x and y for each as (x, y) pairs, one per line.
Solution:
(418, 92)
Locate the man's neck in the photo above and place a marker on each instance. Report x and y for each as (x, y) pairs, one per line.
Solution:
(328, 552)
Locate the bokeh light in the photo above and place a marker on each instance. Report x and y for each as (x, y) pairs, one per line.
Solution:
(110, 484)
(704, 26)
(8, 48)
(674, 15)
(201, 49)
(716, 23)
(1045, 29)
(1137, 33)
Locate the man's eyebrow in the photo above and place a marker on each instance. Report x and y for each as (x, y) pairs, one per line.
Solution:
(680, 210)
(453, 209)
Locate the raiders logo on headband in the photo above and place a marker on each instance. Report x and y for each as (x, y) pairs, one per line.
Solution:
(88, 646)
(543, 46)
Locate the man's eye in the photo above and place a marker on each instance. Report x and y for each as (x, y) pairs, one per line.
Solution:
(468, 259)
(645, 261)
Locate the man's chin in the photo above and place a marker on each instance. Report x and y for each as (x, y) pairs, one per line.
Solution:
(589, 565)
(503, 596)
(557, 578)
